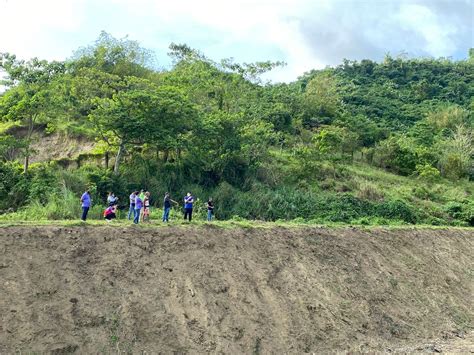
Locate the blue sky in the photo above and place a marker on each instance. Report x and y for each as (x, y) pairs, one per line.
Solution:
(306, 34)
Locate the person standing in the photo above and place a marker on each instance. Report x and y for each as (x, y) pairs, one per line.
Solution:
(138, 207)
(188, 206)
(210, 209)
(142, 194)
(131, 210)
(146, 207)
(142, 197)
(85, 204)
(167, 206)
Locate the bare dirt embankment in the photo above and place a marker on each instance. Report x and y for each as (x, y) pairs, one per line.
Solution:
(201, 290)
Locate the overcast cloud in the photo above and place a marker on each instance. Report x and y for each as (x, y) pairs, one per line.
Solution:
(306, 34)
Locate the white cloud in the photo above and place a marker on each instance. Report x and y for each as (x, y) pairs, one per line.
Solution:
(306, 34)
(27, 27)
(420, 19)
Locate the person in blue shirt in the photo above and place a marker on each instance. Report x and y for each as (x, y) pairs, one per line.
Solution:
(85, 204)
(188, 206)
(131, 210)
(138, 207)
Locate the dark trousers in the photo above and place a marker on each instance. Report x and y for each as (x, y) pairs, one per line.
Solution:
(188, 212)
(85, 210)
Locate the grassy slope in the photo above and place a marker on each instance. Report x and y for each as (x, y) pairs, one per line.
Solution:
(362, 180)
(376, 184)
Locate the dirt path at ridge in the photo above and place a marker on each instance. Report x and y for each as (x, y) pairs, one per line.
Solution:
(210, 290)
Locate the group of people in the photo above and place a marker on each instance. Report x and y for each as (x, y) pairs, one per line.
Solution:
(140, 206)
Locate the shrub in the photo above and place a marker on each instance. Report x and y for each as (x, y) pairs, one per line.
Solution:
(14, 186)
(63, 205)
(43, 184)
(423, 193)
(397, 209)
(369, 191)
(453, 209)
(461, 211)
(428, 172)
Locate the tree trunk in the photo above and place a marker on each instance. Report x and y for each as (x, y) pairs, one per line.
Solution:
(27, 163)
(118, 157)
(31, 123)
(106, 157)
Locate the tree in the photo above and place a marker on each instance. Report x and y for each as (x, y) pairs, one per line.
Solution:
(144, 113)
(323, 102)
(336, 142)
(28, 97)
(457, 153)
(9, 147)
(121, 57)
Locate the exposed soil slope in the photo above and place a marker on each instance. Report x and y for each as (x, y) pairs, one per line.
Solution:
(87, 290)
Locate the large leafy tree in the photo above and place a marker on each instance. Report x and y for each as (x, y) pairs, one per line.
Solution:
(160, 116)
(29, 96)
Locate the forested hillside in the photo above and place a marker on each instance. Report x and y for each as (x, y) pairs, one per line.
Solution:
(363, 142)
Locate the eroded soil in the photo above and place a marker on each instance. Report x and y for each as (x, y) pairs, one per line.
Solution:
(210, 290)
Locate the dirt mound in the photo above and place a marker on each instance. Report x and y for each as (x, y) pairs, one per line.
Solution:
(201, 290)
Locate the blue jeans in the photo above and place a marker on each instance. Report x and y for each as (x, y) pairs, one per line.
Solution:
(131, 211)
(85, 210)
(209, 215)
(137, 215)
(166, 214)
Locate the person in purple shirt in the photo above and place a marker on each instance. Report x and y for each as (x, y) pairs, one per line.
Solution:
(138, 207)
(86, 204)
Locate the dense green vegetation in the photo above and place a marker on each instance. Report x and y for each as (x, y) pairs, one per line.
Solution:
(363, 142)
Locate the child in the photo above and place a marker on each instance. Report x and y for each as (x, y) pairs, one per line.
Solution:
(146, 207)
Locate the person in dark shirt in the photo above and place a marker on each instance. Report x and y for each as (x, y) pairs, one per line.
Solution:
(167, 206)
(210, 209)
